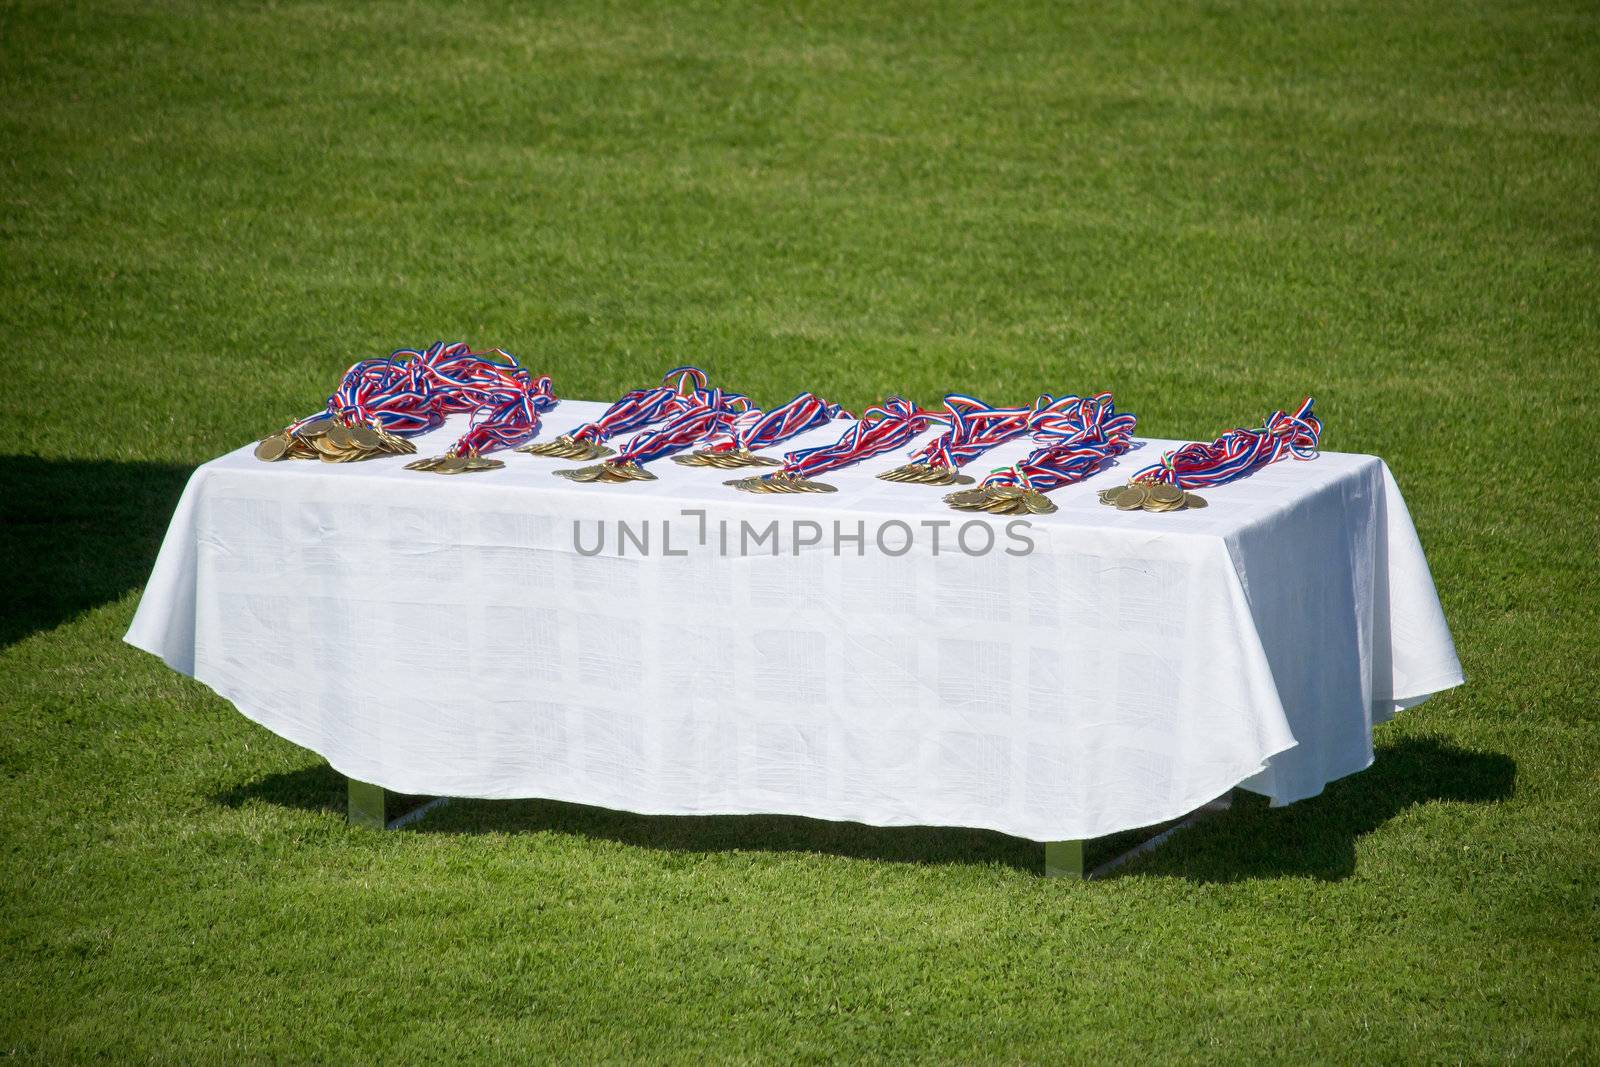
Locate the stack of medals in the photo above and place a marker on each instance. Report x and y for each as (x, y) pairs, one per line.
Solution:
(332, 442)
(380, 402)
(1082, 433)
(756, 429)
(1150, 496)
(705, 412)
(635, 410)
(505, 401)
(1165, 484)
(883, 427)
(455, 462)
(1001, 499)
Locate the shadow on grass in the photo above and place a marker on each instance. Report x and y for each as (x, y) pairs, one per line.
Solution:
(320, 788)
(75, 534)
(1315, 838)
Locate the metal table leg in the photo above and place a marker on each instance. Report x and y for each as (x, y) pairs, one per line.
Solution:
(366, 805)
(1063, 859)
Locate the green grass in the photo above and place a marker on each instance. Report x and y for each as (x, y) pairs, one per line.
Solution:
(208, 210)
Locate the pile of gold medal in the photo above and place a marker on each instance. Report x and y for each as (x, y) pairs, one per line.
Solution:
(450, 463)
(332, 442)
(1149, 496)
(1001, 500)
(609, 471)
(927, 474)
(568, 447)
(779, 482)
(726, 459)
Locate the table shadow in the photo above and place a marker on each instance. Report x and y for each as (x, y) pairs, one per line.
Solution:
(1315, 838)
(76, 534)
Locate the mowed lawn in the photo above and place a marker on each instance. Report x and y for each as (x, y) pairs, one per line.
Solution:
(1210, 208)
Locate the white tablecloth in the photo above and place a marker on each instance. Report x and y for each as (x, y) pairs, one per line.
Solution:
(444, 635)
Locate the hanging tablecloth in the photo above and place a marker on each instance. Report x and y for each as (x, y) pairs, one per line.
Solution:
(839, 656)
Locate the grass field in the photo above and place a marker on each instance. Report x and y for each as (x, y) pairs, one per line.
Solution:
(1210, 208)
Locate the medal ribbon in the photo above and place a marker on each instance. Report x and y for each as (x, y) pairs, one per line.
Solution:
(504, 398)
(644, 407)
(411, 391)
(382, 393)
(1239, 452)
(882, 427)
(975, 427)
(705, 412)
(507, 416)
(1081, 434)
(755, 429)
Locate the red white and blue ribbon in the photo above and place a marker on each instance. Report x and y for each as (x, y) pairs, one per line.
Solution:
(1239, 452)
(706, 412)
(973, 428)
(379, 392)
(882, 427)
(507, 416)
(645, 407)
(1080, 435)
(411, 392)
(754, 430)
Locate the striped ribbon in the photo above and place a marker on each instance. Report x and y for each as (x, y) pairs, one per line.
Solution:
(973, 428)
(1079, 433)
(504, 398)
(507, 417)
(1239, 452)
(382, 393)
(645, 407)
(882, 427)
(705, 412)
(754, 430)
(411, 392)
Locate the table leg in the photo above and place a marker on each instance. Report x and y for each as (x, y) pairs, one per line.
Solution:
(366, 805)
(1063, 859)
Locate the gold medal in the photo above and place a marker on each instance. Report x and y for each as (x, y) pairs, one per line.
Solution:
(626, 471)
(780, 482)
(1131, 498)
(964, 498)
(271, 449)
(394, 445)
(610, 471)
(1001, 500)
(1037, 503)
(926, 474)
(1156, 497)
(451, 463)
(324, 447)
(299, 448)
(726, 459)
(1163, 493)
(566, 447)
